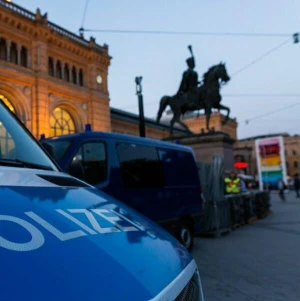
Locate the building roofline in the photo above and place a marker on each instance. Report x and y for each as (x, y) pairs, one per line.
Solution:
(22, 12)
(127, 116)
(264, 136)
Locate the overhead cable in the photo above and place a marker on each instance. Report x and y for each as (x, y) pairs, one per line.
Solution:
(197, 33)
(264, 55)
(271, 112)
(81, 29)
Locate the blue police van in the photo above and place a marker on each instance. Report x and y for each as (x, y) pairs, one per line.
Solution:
(158, 179)
(63, 239)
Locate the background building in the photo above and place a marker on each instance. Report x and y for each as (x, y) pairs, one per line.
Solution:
(197, 124)
(56, 81)
(245, 152)
(127, 123)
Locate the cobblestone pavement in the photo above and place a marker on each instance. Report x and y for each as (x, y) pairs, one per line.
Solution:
(259, 262)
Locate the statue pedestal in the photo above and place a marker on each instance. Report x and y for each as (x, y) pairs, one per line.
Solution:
(206, 146)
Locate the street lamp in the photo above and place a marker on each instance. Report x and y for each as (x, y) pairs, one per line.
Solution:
(138, 81)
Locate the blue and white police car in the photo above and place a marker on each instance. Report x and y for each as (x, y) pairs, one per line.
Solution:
(61, 239)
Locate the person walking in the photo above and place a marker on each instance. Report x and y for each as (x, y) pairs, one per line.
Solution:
(281, 188)
(297, 185)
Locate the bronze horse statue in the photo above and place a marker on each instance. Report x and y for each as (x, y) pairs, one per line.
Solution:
(206, 97)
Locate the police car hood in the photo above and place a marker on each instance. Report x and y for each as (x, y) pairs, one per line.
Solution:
(76, 243)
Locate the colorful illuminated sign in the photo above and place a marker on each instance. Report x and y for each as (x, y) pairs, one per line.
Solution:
(270, 161)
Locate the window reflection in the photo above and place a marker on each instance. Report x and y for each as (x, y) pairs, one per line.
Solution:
(7, 103)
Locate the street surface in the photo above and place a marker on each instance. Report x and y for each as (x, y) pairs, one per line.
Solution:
(259, 262)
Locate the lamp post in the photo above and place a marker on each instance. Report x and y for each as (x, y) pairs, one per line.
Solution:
(138, 81)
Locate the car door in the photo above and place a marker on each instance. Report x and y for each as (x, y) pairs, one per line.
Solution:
(142, 178)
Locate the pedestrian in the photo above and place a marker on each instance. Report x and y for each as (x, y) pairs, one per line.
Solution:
(243, 186)
(281, 188)
(297, 185)
(232, 184)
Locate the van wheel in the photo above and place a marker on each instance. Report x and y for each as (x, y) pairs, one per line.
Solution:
(186, 236)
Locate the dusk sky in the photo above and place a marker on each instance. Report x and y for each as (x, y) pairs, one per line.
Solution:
(265, 86)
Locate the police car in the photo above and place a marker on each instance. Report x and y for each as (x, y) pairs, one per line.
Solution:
(62, 239)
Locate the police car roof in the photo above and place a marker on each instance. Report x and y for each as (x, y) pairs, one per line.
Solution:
(128, 138)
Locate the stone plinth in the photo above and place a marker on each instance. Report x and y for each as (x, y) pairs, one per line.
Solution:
(206, 146)
(198, 124)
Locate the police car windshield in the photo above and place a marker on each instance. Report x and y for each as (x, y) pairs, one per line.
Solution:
(17, 148)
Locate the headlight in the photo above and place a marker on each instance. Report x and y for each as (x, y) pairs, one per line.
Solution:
(193, 290)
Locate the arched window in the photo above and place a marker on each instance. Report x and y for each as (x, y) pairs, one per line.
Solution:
(67, 72)
(74, 76)
(61, 123)
(7, 103)
(58, 70)
(24, 60)
(13, 53)
(81, 77)
(295, 164)
(50, 66)
(3, 54)
(294, 152)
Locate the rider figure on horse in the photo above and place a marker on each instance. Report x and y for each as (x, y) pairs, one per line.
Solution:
(189, 82)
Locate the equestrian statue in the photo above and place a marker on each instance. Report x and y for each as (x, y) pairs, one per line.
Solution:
(194, 95)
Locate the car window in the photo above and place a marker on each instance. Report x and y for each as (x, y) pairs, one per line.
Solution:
(93, 158)
(140, 166)
(7, 144)
(17, 146)
(60, 147)
(179, 167)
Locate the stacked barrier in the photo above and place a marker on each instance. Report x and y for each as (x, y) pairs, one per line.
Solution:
(237, 210)
(226, 212)
(248, 199)
(217, 215)
(248, 207)
(217, 218)
(261, 204)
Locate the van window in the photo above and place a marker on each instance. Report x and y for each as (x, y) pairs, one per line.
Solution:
(60, 146)
(93, 158)
(179, 168)
(140, 166)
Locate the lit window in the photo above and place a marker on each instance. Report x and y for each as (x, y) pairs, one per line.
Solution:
(61, 123)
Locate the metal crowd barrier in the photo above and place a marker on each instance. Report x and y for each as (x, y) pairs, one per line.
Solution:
(234, 211)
